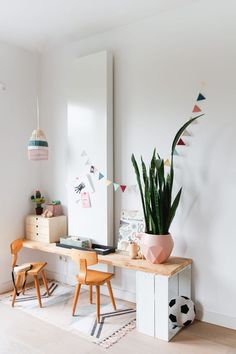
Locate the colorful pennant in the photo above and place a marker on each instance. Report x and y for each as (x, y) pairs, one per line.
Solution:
(83, 153)
(116, 186)
(196, 109)
(201, 97)
(108, 182)
(167, 163)
(181, 142)
(100, 176)
(175, 153)
(186, 133)
(123, 187)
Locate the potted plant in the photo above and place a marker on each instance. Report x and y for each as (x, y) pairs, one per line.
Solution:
(158, 207)
(38, 200)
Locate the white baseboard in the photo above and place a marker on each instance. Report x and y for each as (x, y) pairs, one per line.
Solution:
(216, 318)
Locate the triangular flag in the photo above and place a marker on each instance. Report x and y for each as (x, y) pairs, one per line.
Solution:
(116, 186)
(201, 97)
(100, 176)
(195, 121)
(181, 142)
(84, 153)
(123, 187)
(108, 182)
(175, 152)
(167, 163)
(196, 109)
(186, 133)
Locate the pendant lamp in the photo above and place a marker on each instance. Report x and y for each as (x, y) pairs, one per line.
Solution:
(38, 145)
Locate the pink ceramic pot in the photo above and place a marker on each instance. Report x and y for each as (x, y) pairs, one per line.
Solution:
(156, 248)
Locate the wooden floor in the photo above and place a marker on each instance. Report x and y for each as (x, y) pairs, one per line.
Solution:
(23, 334)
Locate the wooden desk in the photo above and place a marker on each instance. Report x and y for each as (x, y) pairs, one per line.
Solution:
(119, 259)
(156, 285)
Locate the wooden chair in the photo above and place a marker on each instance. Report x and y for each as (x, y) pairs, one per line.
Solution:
(35, 271)
(90, 277)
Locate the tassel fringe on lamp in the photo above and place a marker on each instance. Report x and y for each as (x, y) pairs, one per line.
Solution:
(38, 145)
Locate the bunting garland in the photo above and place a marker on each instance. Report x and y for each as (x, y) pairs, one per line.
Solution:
(181, 142)
(116, 186)
(167, 163)
(100, 176)
(196, 109)
(201, 97)
(186, 133)
(108, 182)
(123, 187)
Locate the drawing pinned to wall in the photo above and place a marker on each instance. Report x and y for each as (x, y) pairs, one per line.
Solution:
(131, 224)
(85, 199)
(82, 186)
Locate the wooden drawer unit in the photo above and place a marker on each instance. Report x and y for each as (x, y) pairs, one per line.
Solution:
(43, 229)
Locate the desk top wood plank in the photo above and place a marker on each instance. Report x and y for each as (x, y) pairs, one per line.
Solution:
(119, 259)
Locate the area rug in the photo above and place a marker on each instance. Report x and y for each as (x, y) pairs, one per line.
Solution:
(57, 311)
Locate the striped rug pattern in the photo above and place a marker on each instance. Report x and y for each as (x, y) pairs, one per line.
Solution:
(57, 311)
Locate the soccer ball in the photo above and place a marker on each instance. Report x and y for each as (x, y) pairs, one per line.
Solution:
(181, 311)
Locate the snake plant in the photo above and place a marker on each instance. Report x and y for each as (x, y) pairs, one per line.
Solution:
(156, 189)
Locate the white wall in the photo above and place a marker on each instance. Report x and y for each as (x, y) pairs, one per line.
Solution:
(158, 66)
(19, 177)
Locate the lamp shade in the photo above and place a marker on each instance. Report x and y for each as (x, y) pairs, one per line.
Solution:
(38, 146)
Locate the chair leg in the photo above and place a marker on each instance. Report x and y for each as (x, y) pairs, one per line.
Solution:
(45, 282)
(91, 294)
(18, 279)
(98, 302)
(111, 294)
(76, 296)
(36, 282)
(23, 288)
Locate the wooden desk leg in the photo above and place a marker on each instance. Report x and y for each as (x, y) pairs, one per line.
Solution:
(145, 302)
(167, 288)
(153, 294)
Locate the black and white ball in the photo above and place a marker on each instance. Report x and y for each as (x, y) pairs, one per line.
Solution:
(181, 311)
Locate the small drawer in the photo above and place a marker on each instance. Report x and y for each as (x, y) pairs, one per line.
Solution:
(35, 236)
(37, 220)
(37, 229)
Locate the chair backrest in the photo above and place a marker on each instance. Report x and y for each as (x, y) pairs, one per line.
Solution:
(15, 247)
(84, 259)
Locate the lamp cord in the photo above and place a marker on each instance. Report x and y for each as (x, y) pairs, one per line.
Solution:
(37, 113)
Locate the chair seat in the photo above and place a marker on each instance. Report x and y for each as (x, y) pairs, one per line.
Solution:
(36, 269)
(95, 277)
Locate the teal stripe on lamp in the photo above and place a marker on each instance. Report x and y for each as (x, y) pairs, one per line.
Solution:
(38, 143)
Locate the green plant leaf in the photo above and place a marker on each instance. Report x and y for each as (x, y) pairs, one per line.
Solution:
(174, 208)
(136, 168)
